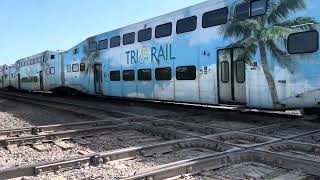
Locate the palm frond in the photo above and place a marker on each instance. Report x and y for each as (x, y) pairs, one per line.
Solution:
(281, 56)
(275, 51)
(250, 49)
(281, 9)
(300, 23)
(240, 29)
(275, 33)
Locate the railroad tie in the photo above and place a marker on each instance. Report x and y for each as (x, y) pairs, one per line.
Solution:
(39, 147)
(63, 145)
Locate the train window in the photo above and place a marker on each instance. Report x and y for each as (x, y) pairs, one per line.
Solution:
(240, 71)
(225, 71)
(52, 56)
(75, 51)
(115, 42)
(164, 30)
(69, 68)
(103, 44)
(163, 74)
(243, 11)
(129, 38)
(39, 60)
(303, 42)
(82, 67)
(214, 18)
(35, 79)
(144, 75)
(258, 8)
(92, 46)
(186, 25)
(52, 70)
(75, 67)
(144, 35)
(114, 75)
(186, 73)
(128, 75)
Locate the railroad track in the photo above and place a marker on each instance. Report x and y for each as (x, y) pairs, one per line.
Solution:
(276, 144)
(253, 151)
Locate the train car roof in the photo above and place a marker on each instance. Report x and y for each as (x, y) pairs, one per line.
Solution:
(161, 17)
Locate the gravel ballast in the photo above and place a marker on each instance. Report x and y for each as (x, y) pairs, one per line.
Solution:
(17, 115)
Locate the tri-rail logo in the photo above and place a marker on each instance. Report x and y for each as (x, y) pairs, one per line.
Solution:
(147, 55)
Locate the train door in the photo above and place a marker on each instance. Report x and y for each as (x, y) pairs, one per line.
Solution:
(19, 81)
(41, 80)
(98, 78)
(231, 73)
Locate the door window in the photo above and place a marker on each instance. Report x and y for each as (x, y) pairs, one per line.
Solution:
(225, 71)
(240, 71)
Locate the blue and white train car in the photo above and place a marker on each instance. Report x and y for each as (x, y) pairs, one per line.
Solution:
(5, 76)
(216, 52)
(1, 77)
(40, 72)
(13, 78)
(78, 67)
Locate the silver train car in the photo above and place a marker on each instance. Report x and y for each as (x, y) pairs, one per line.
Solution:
(258, 53)
(40, 72)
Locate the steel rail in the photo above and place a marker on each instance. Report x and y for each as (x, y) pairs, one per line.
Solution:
(85, 132)
(108, 156)
(198, 165)
(36, 130)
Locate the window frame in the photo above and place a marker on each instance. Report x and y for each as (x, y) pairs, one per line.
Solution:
(82, 67)
(123, 75)
(157, 77)
(222, 70)
(141, 35)
(141, 71)
(52, 70)
(161, 26)
(128, 36)
(52, 56)
(288, 44)
(76, 51)
(95, 46)
(73, 65)
(249, 11)
(244, 71)
(118, 38)
(185, 19)
(111, 77)
(266, 9)
(186, 79)
(208, 13)
(100, 47)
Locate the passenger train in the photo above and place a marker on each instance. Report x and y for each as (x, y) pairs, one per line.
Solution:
(258, 53)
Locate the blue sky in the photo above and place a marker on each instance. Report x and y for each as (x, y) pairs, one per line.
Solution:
(32, 26)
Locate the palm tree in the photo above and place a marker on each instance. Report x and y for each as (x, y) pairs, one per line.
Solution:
(266, 33)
